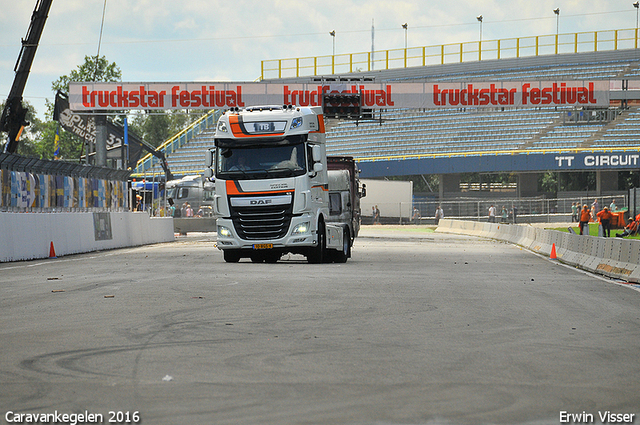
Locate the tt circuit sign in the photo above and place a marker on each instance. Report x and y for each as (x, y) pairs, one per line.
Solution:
(211, 95)
(586, 161)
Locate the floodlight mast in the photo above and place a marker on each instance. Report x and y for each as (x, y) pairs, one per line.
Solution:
(13, 118)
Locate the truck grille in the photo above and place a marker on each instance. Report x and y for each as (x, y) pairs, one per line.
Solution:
(261, 222)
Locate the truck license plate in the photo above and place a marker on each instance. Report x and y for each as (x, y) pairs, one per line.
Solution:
(263, 246)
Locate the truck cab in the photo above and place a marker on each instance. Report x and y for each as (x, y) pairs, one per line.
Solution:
(271, 185)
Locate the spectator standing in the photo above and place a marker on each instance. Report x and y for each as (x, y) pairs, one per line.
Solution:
(613, 207)
(585, 216)
(416, 215)
(376, 215)
(574, 212)
(439, 214)
(492, 214)
(595, 209)
(605, 217)
(505, 214)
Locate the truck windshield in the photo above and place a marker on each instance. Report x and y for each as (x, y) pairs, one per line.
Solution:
(260, 162)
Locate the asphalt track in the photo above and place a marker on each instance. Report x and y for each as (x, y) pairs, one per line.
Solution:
(417, 328)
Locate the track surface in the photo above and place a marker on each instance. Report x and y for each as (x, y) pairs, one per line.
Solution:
(417, 328)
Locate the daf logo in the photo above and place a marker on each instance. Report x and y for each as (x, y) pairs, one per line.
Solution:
(260, 201)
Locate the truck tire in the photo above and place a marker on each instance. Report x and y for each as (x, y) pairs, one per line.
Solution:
(342, 256)
(317, 255)
(231, 256)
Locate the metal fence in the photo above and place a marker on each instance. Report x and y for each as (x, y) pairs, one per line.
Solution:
(36, 185)
(527, 210)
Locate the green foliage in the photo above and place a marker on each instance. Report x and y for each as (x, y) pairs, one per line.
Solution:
(88, 71)
(593, 230)
(548, 182)
(577, 181)
(156, 128)
(628, 179)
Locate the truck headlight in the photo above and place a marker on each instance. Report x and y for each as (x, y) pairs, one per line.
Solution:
(222, 126)
(224, 232)
(301, 228)
(296, 122)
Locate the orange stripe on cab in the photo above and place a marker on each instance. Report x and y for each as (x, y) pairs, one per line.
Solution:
(233, 188)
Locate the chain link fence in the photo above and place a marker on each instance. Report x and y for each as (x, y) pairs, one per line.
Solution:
(527, 210)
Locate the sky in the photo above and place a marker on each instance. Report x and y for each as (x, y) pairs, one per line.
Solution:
(211, 40)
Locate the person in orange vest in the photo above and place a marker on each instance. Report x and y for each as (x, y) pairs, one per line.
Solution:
(585, 216)
(605, 217)
(630, 228)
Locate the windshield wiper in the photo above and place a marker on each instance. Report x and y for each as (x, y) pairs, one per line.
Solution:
(248, 174)
(285, 172)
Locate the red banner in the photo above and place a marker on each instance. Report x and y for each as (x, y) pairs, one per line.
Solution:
(212, 95)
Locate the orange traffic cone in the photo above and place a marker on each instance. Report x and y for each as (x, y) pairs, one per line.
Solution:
(553, 252)
(52, 251)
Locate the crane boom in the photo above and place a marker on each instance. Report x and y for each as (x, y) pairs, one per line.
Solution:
(13, 114)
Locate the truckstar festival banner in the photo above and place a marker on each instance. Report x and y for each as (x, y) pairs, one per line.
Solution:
(211, 95)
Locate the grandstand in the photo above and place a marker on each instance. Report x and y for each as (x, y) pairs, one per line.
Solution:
(426, 141)
(408, 133)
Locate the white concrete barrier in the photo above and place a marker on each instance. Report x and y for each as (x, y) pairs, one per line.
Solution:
(27, 236)
(616, 258)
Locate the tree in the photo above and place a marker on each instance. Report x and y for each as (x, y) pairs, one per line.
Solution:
(88, 71)
(548, 182)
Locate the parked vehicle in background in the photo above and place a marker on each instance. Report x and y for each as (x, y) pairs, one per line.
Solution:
(194, 190)
(345, 191)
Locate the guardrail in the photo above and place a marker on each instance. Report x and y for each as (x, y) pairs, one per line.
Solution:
(578, 42)
(613, 257)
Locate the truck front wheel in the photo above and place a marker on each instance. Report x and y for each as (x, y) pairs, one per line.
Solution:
(317, 254)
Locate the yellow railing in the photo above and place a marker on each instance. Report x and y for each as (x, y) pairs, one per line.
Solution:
(175, 142)
(451, 53)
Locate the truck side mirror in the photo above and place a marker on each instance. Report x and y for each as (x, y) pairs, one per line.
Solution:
(208, 159)
(317, 167)
(208, 173)
(316, 153)
(363, 192)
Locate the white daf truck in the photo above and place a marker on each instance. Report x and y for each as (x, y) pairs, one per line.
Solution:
(272, 187)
